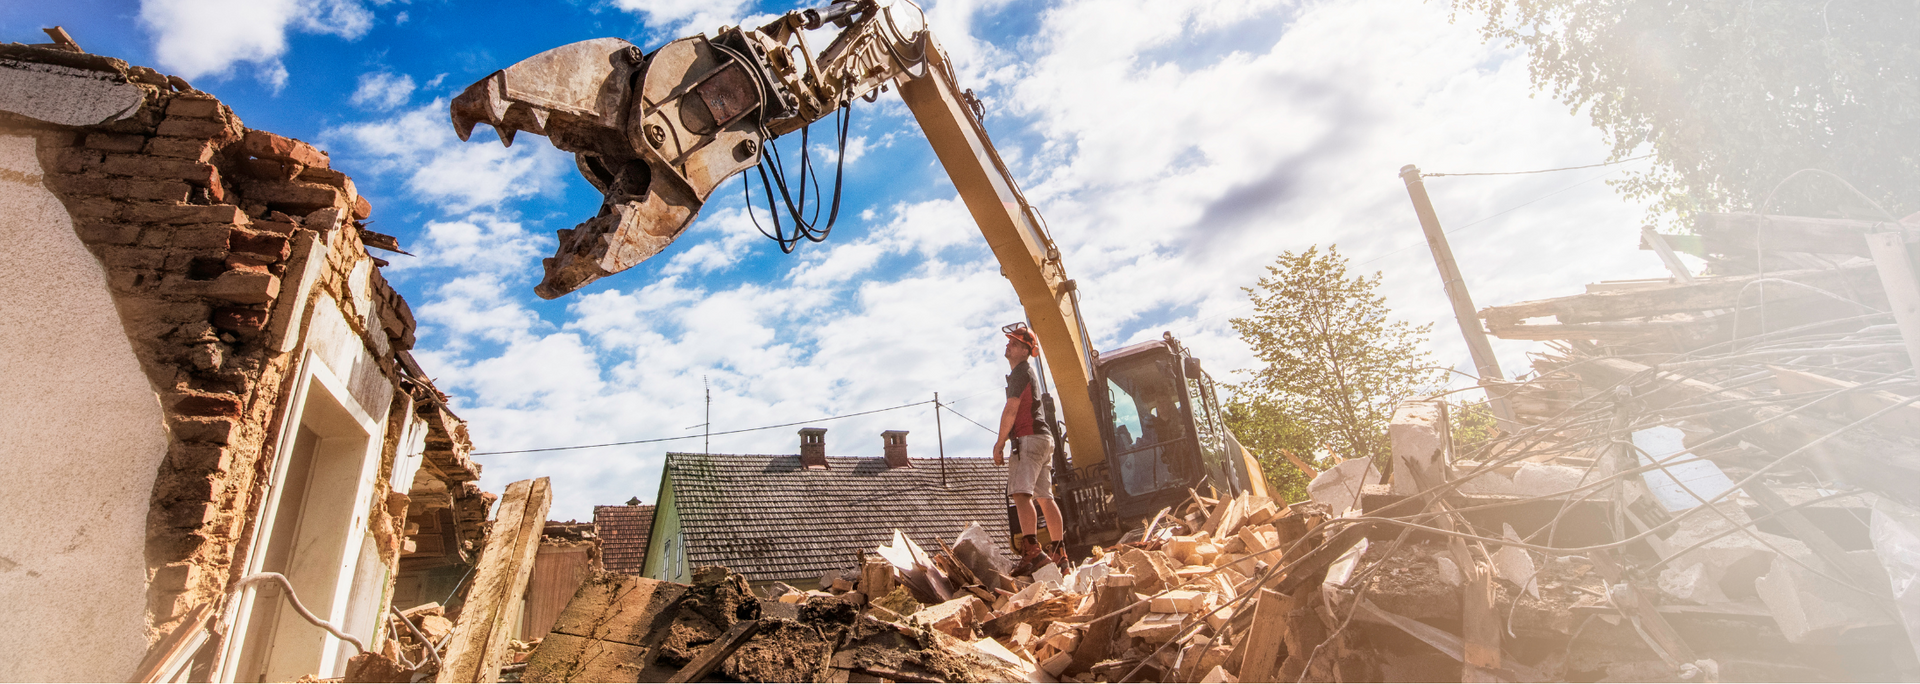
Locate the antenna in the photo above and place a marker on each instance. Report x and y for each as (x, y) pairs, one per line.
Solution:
(706, 437)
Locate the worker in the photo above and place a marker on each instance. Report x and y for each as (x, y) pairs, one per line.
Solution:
(1030, 468)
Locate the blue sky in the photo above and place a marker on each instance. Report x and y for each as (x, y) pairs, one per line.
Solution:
(1175, 148)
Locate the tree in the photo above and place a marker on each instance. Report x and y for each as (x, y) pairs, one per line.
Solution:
(1734, 96)
(1334, 365)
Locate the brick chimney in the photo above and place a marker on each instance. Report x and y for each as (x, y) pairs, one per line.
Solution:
(813, 447)
(894, 447)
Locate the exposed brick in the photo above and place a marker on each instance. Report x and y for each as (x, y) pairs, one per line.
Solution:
(215, 430)
(325, 176)
(99, 232)
(293, 197)
(194, 149)
(176, 577)
(269, 146)
(186, 213)
(245, 287)
(176, 544)
(266, 169)
(207, 404)
(95, 208)
(145, 258)
(116, 142)
(166, 606)
(269, 225)
(191, 514)
(125, 280)
(196, 128)
(202, 175)
(207, 237)
(195, 107)
(76, 160)
(240, 319)
(275, 247)
(361, 208)
(123, 188)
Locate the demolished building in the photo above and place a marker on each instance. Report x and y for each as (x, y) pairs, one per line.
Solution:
(207, 379)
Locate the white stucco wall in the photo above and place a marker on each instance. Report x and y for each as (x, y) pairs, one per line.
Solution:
(81, 439)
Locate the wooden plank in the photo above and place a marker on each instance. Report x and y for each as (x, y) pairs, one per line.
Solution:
(716, 652)
(1667, 256)
(1904, 420)
(557, 574)
(1719, 293)
(1479, 625)
(1259, 652)
(478, 646)
(1096, 643)
(1300, 463)
(1897, 278)
(1744, 233)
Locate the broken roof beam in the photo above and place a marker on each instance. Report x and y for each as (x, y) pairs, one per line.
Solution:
(1745, 233)
(478, 647)
(1719, 293)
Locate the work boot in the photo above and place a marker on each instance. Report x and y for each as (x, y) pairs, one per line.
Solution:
(1057, 553)
(1030, 556)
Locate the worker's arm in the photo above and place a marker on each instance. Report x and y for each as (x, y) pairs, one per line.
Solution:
(1006, 428)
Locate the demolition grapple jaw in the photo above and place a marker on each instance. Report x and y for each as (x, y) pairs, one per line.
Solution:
(654, 133)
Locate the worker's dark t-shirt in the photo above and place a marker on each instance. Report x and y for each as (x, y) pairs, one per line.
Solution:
(1024, 384)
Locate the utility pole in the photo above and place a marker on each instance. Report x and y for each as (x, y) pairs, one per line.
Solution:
(941, 437)
(706, 437)
(1463, 311)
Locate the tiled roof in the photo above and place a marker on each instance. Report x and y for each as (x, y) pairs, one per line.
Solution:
(623, 532)
(767, 517)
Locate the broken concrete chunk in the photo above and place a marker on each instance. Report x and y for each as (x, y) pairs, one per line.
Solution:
(1176, 601)
(955, 618)
(1539, 479)
(1157, 628)
(1513, 564)
(1691, 584)
(1339, 487)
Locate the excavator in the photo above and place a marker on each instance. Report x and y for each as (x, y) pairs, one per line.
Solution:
(658, 132)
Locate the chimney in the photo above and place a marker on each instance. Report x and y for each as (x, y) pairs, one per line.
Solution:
(894, 447)
(813, 447)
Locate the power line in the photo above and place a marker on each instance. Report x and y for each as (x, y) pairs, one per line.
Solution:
(1522, 173)
(728, 432)
(949, 408)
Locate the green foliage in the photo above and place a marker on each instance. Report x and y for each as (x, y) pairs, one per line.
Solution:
(1472, 424)
(1734, 96)
(1265, 430)
(1333, 366)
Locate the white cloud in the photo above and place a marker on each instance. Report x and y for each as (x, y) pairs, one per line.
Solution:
(196, 38)
(382, 91)
(671, 19)
(420, 145)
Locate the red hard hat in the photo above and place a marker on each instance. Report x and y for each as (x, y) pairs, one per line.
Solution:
(1025, 336)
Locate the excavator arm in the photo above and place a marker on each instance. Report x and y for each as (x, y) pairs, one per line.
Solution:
(657, 132)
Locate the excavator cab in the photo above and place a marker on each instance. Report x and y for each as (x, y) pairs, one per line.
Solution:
(1164, 435)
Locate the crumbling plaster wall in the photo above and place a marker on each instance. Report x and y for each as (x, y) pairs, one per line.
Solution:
(72, 550)
(204, 256)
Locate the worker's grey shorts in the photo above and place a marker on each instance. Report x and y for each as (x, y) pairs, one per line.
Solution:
(1030, 471)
